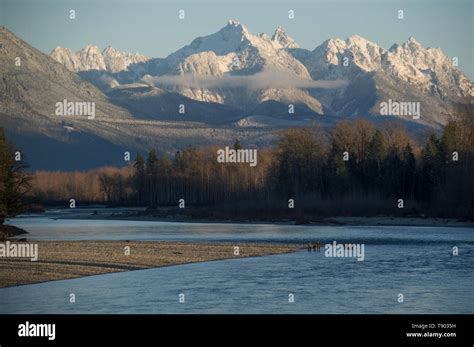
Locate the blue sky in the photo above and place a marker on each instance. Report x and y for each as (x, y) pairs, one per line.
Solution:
(153, 27)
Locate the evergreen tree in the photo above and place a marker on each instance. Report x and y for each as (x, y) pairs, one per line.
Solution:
(431, 171)
(392, 174)
(408, 172)
(151, 171)
(376, 156)
(14, 182)
(376, 149)
(140, 178)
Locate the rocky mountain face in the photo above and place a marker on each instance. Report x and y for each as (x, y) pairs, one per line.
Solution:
(31, 84)
(428, 70)
(90, 58)
(434, 71)
(406, 73)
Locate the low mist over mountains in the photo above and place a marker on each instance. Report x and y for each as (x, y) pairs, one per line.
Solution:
(230, 84)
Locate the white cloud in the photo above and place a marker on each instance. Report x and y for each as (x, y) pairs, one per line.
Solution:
(262, 80)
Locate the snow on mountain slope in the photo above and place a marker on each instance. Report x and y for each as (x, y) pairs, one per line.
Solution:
(90, 58)
(408, 71)
(429, 70)
(235, 51)
(234, 48)
(373, 73)
(435, 70)
(116, 61)
(67, 57)
(281, 39)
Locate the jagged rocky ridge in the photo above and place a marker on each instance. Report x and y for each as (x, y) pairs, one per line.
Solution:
(406, 72)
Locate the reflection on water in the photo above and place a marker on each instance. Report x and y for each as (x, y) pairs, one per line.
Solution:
(414, 261)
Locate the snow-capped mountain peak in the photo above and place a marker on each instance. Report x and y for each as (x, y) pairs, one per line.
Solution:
(412, 43)
(235, 28)
(66, 57)
(233, 37)
(90, 58)
(109, 50)
(413, 52)
(433, 67)
(116, 60)
(427, 69)
(354, 51)
(281, 39)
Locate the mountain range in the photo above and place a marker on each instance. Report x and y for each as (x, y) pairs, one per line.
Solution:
(407, 72)
(229, 84)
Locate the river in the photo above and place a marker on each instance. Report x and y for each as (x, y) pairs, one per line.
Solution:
(417, 262)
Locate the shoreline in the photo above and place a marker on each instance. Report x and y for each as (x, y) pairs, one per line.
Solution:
(328, 221)
(60, 260)
(7, 231)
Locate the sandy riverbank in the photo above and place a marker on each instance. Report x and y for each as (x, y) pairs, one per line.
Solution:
(71, 259)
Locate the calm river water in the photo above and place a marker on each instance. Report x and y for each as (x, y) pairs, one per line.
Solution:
(414, 261)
